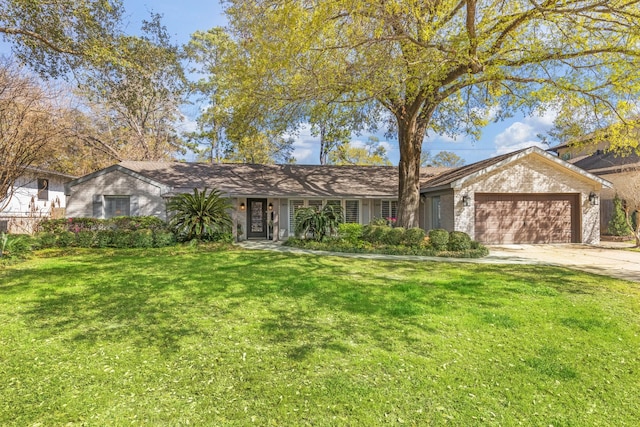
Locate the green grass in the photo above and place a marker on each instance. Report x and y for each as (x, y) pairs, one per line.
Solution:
(181, 336)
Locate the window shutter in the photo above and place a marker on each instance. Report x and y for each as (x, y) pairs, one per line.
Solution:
(135, 206)
(315, 204)
(294, 205)
(97, 205)
(352, 211)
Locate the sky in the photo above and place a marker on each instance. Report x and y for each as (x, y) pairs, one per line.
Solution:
(183, 17)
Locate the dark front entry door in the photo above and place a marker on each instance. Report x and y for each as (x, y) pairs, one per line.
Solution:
(257, 219)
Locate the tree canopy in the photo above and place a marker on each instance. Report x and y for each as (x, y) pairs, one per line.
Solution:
(439, 66)
(56, 36)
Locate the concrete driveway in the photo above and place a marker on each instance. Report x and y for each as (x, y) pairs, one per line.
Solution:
(610, 259)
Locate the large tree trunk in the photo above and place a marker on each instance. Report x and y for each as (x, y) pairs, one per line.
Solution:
(410, 136)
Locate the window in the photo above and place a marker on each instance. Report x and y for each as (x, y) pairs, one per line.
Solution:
(435, 212)
(43, 189)
(4, 226)
(294, 205)
(117, 206)
(389, 209)
(352, 211)
(315, 204)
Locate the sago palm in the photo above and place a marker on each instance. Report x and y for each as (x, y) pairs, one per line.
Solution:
(199, 215)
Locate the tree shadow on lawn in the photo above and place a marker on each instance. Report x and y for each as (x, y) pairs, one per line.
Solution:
(159, 300)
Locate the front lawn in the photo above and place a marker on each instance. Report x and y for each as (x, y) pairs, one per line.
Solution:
(178, 336)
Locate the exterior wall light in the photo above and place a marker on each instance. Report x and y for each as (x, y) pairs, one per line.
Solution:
(593, 199)
(242, 206)
(270, 207)
(466, 201)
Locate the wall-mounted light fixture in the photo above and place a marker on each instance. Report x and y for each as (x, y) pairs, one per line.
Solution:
(466, 201)
(270, 207)
(593, 199)
(242, 206)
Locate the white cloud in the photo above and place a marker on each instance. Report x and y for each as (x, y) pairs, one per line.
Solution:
(524, 134)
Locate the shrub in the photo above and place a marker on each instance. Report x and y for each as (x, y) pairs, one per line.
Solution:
(458, 241)
(618, 225)
(350, 232)
(414, 237)
(84, 239)
(439, 238)
(199, 215)
(122, 239)
(46, 240)
(103, 238)
(375, 233)
(65, 239)
(162, 238)
(142, 238)
(14, 246)
(393, 236)
(318, 223)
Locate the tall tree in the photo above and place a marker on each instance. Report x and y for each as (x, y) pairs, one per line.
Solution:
(55, 36)
(440, 65)
(443, 158)
(234, 126)
(137, 98)
(28, 124)
(372, 153)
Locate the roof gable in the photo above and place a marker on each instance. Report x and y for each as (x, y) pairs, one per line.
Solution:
(457, 177)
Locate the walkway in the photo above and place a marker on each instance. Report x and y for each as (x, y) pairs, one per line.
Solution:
(608, 260)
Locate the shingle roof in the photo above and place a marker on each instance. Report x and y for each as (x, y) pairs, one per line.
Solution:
(453, 175)
(607, 163)
(278, 180)
(448, 179)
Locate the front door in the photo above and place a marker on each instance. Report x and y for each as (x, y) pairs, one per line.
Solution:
(257, 218)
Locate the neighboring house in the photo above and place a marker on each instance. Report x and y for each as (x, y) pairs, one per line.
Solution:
(519, 197)
(37, 194)
(596, 159)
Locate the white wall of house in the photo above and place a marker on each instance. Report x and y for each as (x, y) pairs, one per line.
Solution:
(29, 203)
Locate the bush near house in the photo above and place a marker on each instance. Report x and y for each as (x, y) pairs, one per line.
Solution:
(618, 224)
(201, 215)
(118, 232)
(383, 239)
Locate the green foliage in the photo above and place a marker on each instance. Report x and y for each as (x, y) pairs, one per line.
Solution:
(318, 223)
(118, 232)
(54, 37)
(14, 246)
(393, 236)
(65, 239)
(618, 225)
(163, 238)
(85, 239)
(199, 215)
(104, 238)
(438, 238)
(458, 241)
(350, 232)
(414, 236)
(142, 239)
(375, 233)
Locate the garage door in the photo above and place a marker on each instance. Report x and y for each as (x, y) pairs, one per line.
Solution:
(526, 218)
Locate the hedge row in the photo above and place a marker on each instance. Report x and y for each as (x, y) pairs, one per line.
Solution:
(383, 239)
(123, 223)
(107, 239)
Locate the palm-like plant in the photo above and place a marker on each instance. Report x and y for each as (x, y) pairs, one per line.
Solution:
(318, 223)
(199, 215)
